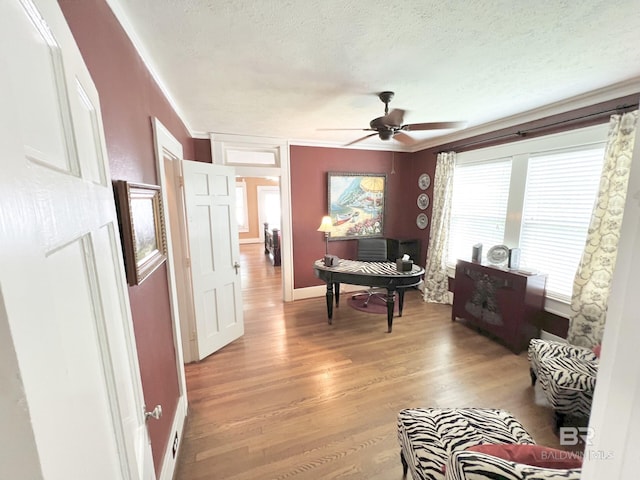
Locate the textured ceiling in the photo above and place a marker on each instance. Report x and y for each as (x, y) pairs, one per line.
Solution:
(290, 67)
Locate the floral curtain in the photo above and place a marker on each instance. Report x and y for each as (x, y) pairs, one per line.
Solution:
(593, 278)
(436, 280)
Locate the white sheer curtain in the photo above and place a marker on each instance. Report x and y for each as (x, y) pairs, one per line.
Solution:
(593, 278)
(436, 280)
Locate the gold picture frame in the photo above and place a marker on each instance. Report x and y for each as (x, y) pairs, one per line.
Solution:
(141, 227)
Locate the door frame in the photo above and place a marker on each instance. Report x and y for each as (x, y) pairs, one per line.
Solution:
(221, 143)
(166, 146)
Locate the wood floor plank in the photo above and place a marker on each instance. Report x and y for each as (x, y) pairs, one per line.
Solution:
(298, 398)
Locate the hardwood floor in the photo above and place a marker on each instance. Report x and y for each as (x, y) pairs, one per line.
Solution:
(298, 398)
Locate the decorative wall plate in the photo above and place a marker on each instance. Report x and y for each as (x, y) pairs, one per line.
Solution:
(422, 221)
(423, 201)
(498, 254)
(424, 181)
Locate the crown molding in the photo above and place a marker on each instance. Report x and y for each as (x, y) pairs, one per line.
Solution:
(388, 147)
(127, 26)
(605, 94)
(201, 135)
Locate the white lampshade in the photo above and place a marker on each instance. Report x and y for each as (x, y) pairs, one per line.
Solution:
(326, 224)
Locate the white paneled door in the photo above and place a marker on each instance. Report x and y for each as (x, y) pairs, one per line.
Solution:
(71, 403)
(209, 192)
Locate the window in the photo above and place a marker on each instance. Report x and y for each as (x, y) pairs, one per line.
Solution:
(479, 206)
(251, 157)
(269, 205)
(536, 195)
(242, 214)
(558, 200)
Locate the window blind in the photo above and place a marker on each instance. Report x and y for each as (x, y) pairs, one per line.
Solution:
(559, 198)
(479, 206)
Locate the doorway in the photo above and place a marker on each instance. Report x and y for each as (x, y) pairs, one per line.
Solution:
(263, 205)
(269, 207)
(266, 158)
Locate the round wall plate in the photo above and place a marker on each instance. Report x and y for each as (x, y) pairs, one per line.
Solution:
(423, 201)
(424, 181)
(422, 221)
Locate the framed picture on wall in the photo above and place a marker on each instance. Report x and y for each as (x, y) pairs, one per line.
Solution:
(356, 204)
(142, 229)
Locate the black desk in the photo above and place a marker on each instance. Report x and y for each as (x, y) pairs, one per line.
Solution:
(371, 274)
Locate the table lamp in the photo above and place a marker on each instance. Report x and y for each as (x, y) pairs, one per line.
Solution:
(325, 226)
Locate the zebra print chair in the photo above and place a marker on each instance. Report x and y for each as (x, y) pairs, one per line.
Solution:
(567, 375)
(431, 438)
(466, 465)
(428, 436)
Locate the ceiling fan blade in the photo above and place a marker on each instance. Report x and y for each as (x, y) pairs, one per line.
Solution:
(404, 138)
(337, 129)
(360, 139)
(434, 125)
(394, 118)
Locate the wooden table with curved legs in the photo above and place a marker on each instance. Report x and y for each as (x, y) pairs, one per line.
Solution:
(370, 274)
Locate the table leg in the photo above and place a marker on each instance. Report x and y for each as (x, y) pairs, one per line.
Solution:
(400, 301)
(337, 289)
(391, 301)
(330, 301)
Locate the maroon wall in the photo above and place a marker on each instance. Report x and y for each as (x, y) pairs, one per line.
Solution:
(129, 98)
(202, 150)
(309, 203)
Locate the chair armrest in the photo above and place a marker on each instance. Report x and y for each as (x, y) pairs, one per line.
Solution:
(573, 374)
(467, 465)
(549, 349)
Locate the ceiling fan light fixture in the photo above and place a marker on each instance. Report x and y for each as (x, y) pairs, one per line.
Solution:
(385, 134)
(392, 125)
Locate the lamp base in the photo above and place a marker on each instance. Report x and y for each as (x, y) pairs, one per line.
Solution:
(330, 260)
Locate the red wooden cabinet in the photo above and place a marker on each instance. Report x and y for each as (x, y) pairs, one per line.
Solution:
(504, 303)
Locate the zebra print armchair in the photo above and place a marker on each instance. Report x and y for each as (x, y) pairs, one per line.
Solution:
(435, 443)
(467, 465)
(567, 375)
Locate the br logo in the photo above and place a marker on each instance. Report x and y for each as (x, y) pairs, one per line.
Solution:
(573, 435)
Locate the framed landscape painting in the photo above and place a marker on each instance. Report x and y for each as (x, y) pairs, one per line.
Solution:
(142, 229)
(356, 204)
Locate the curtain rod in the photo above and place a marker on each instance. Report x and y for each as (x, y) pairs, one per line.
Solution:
(522, 133)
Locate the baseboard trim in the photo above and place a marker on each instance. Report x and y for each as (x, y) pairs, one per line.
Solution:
(321, 291)
(544, 335)
(177, 429)
(242, 241)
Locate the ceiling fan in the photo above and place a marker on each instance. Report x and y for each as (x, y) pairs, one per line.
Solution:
(391, 126)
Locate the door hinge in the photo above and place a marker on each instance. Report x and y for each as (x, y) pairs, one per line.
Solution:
(187, 262)
(181, 181)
